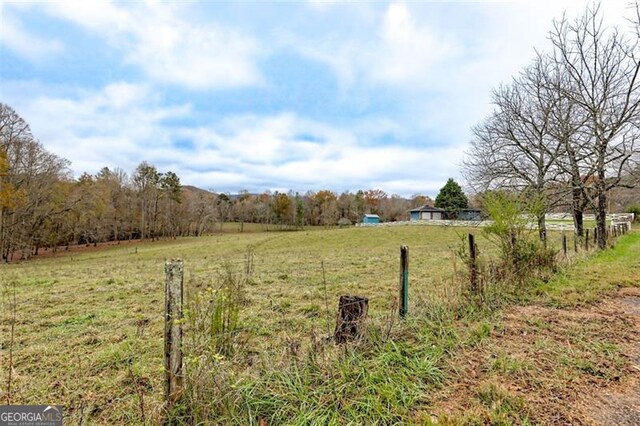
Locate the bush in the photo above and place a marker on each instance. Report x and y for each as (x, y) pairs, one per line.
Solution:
(635, 209)
(522, 256)
(344, 222)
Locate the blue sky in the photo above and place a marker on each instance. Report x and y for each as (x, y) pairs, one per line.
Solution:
(269, 96)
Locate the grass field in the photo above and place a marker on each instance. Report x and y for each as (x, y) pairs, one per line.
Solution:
(88, 327)
(84, 320)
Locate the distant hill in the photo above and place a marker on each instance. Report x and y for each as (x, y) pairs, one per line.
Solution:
(194, 189)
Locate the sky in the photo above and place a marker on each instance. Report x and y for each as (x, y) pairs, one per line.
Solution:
(255, 95)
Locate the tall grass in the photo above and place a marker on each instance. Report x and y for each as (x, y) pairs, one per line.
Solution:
(384, 378)
(378, 379)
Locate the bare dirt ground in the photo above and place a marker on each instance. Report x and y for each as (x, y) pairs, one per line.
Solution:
(553, 366)
(620, 404)
(62, 251)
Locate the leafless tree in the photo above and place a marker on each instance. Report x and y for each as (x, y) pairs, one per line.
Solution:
(514, 148)
(601, 67)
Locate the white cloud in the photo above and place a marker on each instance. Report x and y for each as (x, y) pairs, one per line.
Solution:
(110, 127)
(168, 46)
(442, 62)
(24, 43)
(275, 152)
(123, 124)
(437, 72)
(406, 53)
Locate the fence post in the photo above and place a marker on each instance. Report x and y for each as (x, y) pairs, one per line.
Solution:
(595, 236)
(564, 244)
(404, 281)
(575, 243)
(173, 292)
(586, 240)
(473, 267)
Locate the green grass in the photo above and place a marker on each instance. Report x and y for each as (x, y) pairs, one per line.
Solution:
(84, 320)
(89, 325)
(585, 281)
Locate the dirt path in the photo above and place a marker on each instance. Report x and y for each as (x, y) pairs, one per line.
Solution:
(620, 405)
(553, 367)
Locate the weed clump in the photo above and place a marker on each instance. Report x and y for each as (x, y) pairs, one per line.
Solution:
(522, 258)
(214, 345)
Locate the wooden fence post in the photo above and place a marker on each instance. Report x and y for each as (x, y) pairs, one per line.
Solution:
(564, 244)
(173, 294)
(595, 236)
(404, 281)
(575, 243)
(586, 240)
(473, 266)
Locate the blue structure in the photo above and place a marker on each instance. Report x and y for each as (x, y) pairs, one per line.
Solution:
(427, 212)
(370, 218)
(469, 214)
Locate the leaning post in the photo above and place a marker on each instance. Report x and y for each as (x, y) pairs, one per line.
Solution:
(404, 281)
(586, 240)
(473, 266)
(173, 296)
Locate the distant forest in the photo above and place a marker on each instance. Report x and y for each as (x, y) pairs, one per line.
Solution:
(42, 205)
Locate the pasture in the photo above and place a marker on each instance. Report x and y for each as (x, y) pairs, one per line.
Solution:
(85, 323)
(89, 326)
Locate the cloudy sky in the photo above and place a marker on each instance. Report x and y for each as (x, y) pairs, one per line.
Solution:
(257, 95)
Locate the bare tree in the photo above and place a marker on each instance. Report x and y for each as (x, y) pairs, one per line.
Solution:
(601, 67)
(514, 148)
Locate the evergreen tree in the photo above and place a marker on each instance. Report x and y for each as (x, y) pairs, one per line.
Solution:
(451, 198)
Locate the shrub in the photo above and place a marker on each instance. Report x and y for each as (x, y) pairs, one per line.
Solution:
(344, 222)
(522, 256)
(635, 209)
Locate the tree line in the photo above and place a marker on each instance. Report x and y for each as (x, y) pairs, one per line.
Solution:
(43, 206)
(564, 132)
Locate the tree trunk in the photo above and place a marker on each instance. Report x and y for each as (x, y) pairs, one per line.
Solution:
(578, 211)
(143, 219)
(601, 213)
(542, 229)
(2, 239)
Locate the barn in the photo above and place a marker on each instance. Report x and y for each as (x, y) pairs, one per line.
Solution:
(370, 218)
(427, 212)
